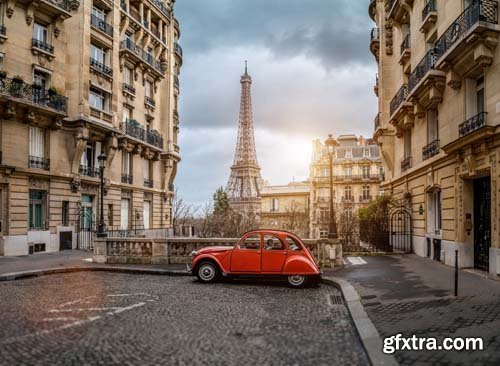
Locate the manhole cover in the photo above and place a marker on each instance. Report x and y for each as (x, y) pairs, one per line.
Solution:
(336, 300)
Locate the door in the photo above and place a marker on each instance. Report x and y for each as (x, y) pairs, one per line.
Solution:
(482, 223)
(65, 240)
(273, 254)
(246, 256)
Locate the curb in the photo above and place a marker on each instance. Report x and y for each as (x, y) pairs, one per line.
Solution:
(370, 338)
(43, 272)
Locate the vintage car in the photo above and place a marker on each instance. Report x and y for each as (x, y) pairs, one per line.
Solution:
(258, 253)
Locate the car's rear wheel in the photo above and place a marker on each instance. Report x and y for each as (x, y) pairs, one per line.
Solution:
(297, 281)
(208, 272)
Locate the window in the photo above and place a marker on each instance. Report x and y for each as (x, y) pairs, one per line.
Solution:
(124, 213)
(148, 89)
(41, 79)
(366, 152)
(325, 172)
(480, 95)
(37, 142)
(90, 154)
(127, 114)
(365, 171)
(252, 242)
(432, 125)
(347, 192)
(127, 76)
(381, 171)
(37, 210)
(65, 213)
(348, 171)
(98, 99)
(126, 163)
(147, 214)
(407, 143)
(272, 243)
(366, 192)
(293, 244)
(98, 54)
(40, 32)
(348, 153)
(274, 205)
(324, 215)
(98, 13)
(436, 207)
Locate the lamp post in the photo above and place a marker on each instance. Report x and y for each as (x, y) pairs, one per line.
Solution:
(101, 228)
(331, 143)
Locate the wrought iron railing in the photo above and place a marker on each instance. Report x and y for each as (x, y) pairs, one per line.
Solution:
(478, 11)
(178, 48)
(149, 101)
(429, 7)
(162, 7)
(63, 4)
(99, 66)
(128, 179)
(132, 128)
(128, 88)
(89, 171)
(128, 44)
(472, 124)
(405, 45)
(176, 81)
(365, 198)
(41, 45)
(374, 34)
(148, 183)
(406, 163)
(399, 98)
(3, 30)
(33, 93)
(423, 67)
(348, 199)
(123, 5)
(154, 138)
(377, 121)
(38, 162)
(101, 25)
(431, 149)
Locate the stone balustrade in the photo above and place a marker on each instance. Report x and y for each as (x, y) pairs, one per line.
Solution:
(178, 250)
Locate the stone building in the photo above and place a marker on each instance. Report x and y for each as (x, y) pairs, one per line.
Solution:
(286, 207)
(78, 79)
(438, 90)
(357, 173)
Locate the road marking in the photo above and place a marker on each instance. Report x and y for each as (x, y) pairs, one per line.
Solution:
(84, 309)
(356, 261)
(121, 310)
(61, 318)
(76, 301)
(87, 259)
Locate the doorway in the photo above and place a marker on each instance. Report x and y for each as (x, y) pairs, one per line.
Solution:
(482, 223)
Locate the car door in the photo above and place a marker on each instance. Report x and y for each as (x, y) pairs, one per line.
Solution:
(273, 253)
(246, 256)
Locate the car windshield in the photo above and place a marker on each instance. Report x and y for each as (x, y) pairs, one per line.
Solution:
(293, 244)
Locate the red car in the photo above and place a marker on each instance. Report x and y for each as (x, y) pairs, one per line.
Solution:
(258, 252)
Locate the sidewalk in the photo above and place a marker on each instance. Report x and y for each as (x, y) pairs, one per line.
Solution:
(69, 259)
(414, 296)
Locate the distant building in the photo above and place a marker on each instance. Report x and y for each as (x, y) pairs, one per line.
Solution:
(357, 173)
(286, 207)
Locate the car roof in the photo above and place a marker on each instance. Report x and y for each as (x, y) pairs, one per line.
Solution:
(272, 231)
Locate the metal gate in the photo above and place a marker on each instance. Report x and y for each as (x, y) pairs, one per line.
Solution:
(482, 223)
(401, 230)
(85, 228)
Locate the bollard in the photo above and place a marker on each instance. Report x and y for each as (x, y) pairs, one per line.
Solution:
(456, 273)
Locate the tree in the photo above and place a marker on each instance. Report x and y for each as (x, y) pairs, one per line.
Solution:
(221, 201)
(297, 219)
(181, 210)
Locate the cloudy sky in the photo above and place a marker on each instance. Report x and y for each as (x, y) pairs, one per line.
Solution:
(312, 72)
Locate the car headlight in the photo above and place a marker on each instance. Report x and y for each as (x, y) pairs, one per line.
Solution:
(193, 253)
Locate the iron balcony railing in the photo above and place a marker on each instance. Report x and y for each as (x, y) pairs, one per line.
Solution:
(38, 162)
(365, 198)
(429, 7)
(478, 11)
(431, 149)
(128, 88)
(162, 7)
(472, 124)
(374, 34)
(348, 199)
(405, 45)
(377, 121)
(154, 138)
(178, 48)
(399, 98)
(176, 81)
(128, 44)
(89, 171)
(33, 93)
(63, 4)
(406, 163)
(132, 128)
(99, 66)
(148, 183)
(123, 5)
(128, 179)
(101, 25)
(3, 30)
(41, 45)
(423, 67)
(149, 101)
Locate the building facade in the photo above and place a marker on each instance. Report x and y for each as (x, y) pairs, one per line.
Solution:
(438, 90)
(286, 208)
(357, 172)
(81, 78)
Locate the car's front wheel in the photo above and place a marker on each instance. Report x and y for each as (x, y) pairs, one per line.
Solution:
(208, 272)
(297, 281)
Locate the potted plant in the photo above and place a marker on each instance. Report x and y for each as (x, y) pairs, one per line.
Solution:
(52, 91)
(18, 79)
(16, 87)
(3, 74)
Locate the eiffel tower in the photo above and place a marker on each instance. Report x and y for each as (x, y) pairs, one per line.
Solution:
(245, 182)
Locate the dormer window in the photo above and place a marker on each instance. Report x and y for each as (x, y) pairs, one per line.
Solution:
(348, 153)
(366, 152)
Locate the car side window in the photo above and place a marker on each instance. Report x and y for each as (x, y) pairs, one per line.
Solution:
(272, 242)
(251, 242)
(293, 244)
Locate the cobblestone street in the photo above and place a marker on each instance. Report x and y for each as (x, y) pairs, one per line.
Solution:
(109, 318)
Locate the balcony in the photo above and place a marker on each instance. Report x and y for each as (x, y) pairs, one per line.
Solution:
(472, 124)
(365, 198)
(38, 162)
(472, 131)
(150, 102)
(375, 87)
(405, 50)
(430, 150)
(101, 68)
(3, 33)
(429, 16)
(148, 183)
(398, 100)
(89, 171)
(162, 7)
(154, 138)
(178, 50)
(425, 84)
(133, 129)
(39, 46)
(377, 121)
(101, 114)
(469, 42)
(372, 9)
(401, 110)
(127, 179)
(406, 164)
(15, 89)
(127, 88)
(140, 55)
(347, 199)
(397, 10)
(375, 43)
(54, 8)
(101, 25)
(176, 81)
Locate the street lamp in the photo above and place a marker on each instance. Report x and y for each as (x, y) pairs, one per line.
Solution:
(331, 143)
(101, 228)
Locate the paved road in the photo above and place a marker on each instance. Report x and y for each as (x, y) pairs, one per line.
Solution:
(413, 295)
(111, 318)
